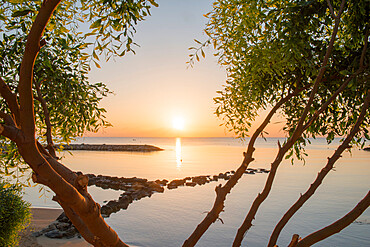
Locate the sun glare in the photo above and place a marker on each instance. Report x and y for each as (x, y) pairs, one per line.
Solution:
(178, 123)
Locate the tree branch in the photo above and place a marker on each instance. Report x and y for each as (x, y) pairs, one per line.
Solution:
(338, 225)
(76, 221)
(26, 70)
(247, 223)
(221, 192)
(320, 177)
(11, 132)
(7, 119)
(331, 9)
(11, 100)
(49, 138)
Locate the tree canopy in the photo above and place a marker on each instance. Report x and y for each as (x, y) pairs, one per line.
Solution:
(46, 49)
(308, 60)
(271, 47)
(77, 35)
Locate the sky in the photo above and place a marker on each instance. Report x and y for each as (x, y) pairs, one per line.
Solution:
(155, 88)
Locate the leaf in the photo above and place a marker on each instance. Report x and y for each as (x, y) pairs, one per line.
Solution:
(96, 64)
(96, 24)
(154, 3)
(20, 13)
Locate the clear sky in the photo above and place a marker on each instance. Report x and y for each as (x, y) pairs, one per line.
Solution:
(156, 94)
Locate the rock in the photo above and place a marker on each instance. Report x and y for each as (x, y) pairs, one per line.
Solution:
(171, 186)
(176, 182)
(249, 172)
(54, 234)
(155, 186)
(200, 180)
(63, 218)
(61, 226)
(137, 186)
(70, 233)
(164, 182)
(192, 184)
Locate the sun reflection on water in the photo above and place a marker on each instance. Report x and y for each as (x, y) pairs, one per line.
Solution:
(178, 153)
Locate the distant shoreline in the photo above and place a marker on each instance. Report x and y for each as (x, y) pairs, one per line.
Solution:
(111, 147)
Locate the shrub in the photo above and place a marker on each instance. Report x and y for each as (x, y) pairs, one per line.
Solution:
(15, 214)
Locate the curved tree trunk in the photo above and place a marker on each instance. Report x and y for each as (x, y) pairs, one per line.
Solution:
(69, 188)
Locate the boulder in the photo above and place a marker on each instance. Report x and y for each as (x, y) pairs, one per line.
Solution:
(200, 180)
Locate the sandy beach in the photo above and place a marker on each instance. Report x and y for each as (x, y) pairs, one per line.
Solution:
(42, 217)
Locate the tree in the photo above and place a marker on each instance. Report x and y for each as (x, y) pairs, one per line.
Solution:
(307, 60)
(46, 95)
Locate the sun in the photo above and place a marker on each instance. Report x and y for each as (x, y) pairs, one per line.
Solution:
(178, 123)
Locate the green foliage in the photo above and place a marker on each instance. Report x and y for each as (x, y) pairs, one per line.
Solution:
(270, 48)
(15, 214)
(77, 35)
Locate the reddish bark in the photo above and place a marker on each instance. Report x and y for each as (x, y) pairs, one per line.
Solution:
(69, 188)
(322, 174)
(222, 191)
(338, 225)
(247, 223)
(49, 138)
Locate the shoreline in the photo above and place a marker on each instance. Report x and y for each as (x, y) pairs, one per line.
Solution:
(41, 218)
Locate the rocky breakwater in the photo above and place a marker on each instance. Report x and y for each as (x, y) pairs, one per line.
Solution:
(109, 147)
(201, 180)
(133, 189)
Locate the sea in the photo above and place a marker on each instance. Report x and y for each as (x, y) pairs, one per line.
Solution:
(167, 219)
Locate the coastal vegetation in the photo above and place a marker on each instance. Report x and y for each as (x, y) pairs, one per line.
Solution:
(15, 214)
(46, 96)
(307, 60)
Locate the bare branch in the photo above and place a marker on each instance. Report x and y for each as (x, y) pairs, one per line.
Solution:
(320, 177)
(331, 9)
(365, 48)
(294, 241)
(222, 191)
(247, 223)
(11, 132)
(10, 99)
(49, 138)
(338, 225)
(341, 88)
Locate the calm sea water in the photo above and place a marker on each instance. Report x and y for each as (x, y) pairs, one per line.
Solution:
(167, 219)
